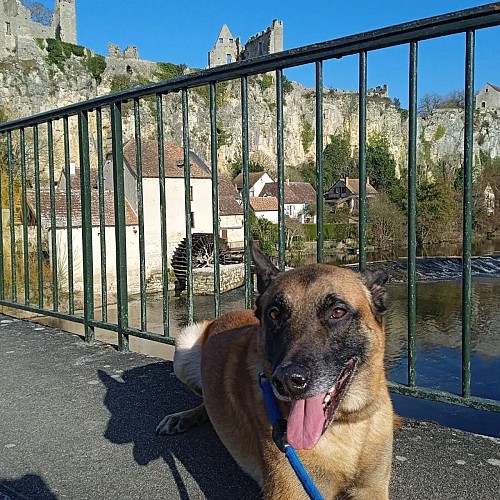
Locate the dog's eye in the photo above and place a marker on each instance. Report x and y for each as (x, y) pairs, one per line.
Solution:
(338, 313)
(274, 313)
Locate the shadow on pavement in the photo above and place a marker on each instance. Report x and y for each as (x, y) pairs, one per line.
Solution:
(29, 486)
(140, 401)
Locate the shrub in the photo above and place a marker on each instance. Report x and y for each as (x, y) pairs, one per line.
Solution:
(96, 65)
(307, 135)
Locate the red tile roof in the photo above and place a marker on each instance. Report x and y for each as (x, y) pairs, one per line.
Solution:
(173, 155)
(230, 202)
(60, 204)
(264, 204)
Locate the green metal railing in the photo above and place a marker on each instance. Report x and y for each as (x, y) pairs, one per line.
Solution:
(42, 287)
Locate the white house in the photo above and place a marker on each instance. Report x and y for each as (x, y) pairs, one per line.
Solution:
(256, 182)
(73, 233)
(173, 183)
(230, 213)
(488, 97)
(298, 196)
(265, 208)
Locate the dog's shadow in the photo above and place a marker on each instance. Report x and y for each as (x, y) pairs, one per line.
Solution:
(139, 402)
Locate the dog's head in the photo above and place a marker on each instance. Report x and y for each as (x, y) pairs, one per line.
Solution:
(323, 336)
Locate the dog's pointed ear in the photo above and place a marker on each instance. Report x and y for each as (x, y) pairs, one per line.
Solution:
(375, 281)
(265, 269)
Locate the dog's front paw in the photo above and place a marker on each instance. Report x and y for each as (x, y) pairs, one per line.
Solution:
(176, 423)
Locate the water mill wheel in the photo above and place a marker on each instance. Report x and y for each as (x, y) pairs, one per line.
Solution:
(203, 256)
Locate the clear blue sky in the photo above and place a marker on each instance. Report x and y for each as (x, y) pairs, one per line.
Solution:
(184, 31)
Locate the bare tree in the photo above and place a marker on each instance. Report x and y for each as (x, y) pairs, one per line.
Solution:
(428, 104)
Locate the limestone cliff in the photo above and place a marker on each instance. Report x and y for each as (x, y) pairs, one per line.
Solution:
(32, 86)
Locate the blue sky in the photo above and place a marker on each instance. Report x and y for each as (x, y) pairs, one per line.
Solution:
(183, 32)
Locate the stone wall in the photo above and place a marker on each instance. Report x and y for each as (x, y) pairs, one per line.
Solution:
(268, 41)
(17, 30)
(231, 276)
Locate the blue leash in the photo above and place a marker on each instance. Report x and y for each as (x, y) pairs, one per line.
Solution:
(279, 436)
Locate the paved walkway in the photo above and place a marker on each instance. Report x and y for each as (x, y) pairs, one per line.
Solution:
(77, 422)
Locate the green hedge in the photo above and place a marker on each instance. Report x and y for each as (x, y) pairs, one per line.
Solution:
(334, 232)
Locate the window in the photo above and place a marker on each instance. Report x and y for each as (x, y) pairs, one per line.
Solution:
(231, 40)
(7, 29)
(229, 59)
(191, 193)
(260, 49)
(192, 220)
(483, 104)
(486, 89)
(221, 40)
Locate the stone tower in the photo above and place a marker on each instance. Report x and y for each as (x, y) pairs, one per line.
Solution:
(64, 20)
(226, 49)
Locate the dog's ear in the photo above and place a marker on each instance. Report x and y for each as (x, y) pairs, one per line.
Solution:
(265, 269)
(375, 282)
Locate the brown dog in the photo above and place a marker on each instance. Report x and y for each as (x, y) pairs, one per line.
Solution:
(317, 335)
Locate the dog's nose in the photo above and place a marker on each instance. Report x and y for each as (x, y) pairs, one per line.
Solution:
(291, 380)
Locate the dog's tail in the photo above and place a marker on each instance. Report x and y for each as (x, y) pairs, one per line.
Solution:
(187, 358)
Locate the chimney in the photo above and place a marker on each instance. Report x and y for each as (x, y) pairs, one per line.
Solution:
(367, 180)
(346, 180)
(72, 168)
(287, 181)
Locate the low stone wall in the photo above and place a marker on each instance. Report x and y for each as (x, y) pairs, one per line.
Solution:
(231, 276)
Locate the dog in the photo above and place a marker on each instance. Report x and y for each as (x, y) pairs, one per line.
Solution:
(317, 335)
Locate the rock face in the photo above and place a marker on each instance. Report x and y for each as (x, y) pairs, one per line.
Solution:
(32, 86)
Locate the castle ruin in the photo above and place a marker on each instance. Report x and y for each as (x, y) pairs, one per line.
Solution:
(18, 30)
(228, 49)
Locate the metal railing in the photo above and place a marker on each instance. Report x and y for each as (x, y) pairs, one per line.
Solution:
(38, 288)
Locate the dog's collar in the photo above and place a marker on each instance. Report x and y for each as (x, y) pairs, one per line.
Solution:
(279, 436)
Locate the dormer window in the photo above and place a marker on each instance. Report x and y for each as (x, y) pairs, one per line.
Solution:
(221, 40)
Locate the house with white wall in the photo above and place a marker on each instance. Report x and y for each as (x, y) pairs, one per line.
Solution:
(256, 182)
(488, 97)
(71, 231)
(230, 213)
(173, 183)
(265, 208)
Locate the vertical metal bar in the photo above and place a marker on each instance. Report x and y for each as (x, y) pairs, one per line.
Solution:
(102, 217)
(412, 214)
(22, 145)
(246, 200)
(140, 213)
(320, 256)
(86, 207)
(163, 210)
(11, 213)
(120, 225)
(2, 270)
(467, 213)
(187, 205)
(280, 169)
(69, 221)
(53, 235)
(362, 159)
(36, 151)
(215, 196)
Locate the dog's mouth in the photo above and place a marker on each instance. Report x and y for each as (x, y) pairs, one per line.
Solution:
(309, 418)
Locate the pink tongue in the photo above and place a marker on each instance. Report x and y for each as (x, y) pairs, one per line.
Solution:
(305, 422)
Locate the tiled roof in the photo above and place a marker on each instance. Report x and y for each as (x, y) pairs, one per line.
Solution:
(173, 159)
(75, 179)
(253, 177)
(271, 189)
(303, 191)
(494, 87)
(229, 198)
(353, 186)
(264, 204)
(76, 208)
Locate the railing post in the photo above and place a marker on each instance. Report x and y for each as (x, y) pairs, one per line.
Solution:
(467, 213)
(319, 163)
(412, 214)
(120, 227)
(362, 160)
(280, 169)
(86, 207)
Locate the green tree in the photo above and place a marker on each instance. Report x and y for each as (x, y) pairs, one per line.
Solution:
(337, 162)
(380, 164)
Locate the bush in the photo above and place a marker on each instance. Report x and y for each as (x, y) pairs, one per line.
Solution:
(166, 71)
(96, 65)
(331, 232)
(265, 82)
(59, 52)
(307, 135)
